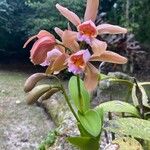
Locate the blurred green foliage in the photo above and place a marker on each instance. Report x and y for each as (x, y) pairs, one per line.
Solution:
(21, 19)
(133, 14)
(46, 16)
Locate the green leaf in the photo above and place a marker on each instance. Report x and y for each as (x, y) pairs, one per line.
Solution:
(121, 81)
(118, 106)
(135, 127)
(146, 86)
(73, 89)
(125, 143)
(83, 132)
(134, 97)
(91, 122)
(145, 99)
(104, 77)
(84, 143)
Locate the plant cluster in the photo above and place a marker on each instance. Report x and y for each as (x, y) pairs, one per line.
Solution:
(76, 52)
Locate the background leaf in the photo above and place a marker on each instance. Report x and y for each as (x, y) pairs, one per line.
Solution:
(118, 106)
(145, 99)
(135, 127)
(146, 86)
(125, 143)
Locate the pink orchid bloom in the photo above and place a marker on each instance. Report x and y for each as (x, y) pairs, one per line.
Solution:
(45, 42)
(88, 31)
(55, 60)
(79, 62)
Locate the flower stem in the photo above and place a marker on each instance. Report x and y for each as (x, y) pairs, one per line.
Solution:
(65, 95)
(79, 94)
(69, 104)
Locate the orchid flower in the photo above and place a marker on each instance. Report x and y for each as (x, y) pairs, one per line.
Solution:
(87, 30)
(79, 62)
(55, 60)
(46, 52)
(45, 42)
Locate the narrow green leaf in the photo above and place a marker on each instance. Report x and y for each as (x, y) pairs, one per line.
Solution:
(91, 122)
(134, 97)
(145, 99)
(121, 81)
(144, 83)
(146, 86)
(104, 77)
(135, 127)
(118, 106)
(84, 143)
(73, 89)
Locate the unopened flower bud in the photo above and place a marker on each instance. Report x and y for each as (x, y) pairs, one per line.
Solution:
(32, 81)
(49, 93)
(37, 92)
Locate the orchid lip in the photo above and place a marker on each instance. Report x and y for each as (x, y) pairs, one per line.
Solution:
(88, 28)
(51, 55)
(84, 38)
(77, 62)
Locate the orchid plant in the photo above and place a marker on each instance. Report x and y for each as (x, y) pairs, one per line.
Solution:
(76, 52)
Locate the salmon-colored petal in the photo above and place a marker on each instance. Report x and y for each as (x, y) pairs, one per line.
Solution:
(110, 29)
(51, 55)
(111, 57)
(98, 47)
(40, 48)
(58, 31)
(91, 10)
(69, 40)
(60, 63)
(29, 40)
(91, 77)
(43, 33)
(49, 69)
(61, 48)
(72, 17)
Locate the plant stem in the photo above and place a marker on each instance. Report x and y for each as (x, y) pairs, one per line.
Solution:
(79, 94)
(69, 104)
(82, 45)
(66, 96)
